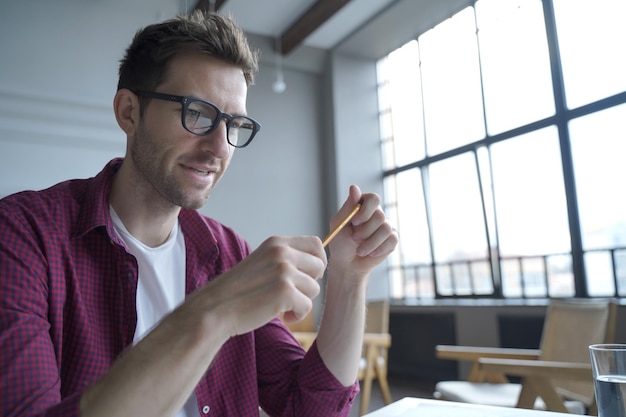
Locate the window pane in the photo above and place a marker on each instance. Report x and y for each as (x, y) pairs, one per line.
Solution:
(534, 277)
(481, 277)
(515, 63)
(414, 242)
(419, 283)
(620, 271)
(484, 169)
(396, 280)
(444, 280)
(451, 82)
(531, 211)
(386, 143)
(462, 281)
(592, 38)
(457, 214)
(394, 261)
(406, 104)
(511, 278)
(560, 276)
(410, 283)
(599, 270)
(599, 148)
(382, 71)
(384, 99)
(426, 286)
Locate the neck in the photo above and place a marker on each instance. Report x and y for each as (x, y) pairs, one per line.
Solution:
(149, 220)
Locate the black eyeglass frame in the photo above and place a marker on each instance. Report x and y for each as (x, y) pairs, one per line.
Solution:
(185, 101)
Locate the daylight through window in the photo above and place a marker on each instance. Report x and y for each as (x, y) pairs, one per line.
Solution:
(503, 134)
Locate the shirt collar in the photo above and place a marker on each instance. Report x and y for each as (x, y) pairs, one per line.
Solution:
(94, 210)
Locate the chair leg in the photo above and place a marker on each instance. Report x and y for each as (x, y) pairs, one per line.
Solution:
(527, 396)
(550, 397)
(381, 375)
(367, 380)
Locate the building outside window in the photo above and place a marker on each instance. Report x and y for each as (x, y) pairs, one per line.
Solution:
(503, 134)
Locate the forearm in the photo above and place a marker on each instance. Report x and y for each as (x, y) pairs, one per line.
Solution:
(340, 336)
(158, 375)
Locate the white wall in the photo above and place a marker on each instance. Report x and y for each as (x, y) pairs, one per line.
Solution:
(58, 75)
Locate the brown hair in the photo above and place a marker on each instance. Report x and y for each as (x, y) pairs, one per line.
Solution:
(145, 63)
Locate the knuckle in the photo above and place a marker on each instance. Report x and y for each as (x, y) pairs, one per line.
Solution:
(280, 252)
(284, 270)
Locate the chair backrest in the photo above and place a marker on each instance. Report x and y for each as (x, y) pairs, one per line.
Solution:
(377, 316)
(377, 321)
(570, 327)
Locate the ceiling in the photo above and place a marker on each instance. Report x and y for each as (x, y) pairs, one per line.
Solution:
(317, 23)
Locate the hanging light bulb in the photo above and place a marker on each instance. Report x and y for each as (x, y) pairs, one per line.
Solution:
(279, 85)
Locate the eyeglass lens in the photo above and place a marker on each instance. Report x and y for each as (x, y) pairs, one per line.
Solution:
(200, 118)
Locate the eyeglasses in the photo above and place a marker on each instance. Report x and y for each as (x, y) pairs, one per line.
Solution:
(201, 117)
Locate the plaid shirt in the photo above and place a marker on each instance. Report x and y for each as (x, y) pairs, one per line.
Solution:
(67, 310)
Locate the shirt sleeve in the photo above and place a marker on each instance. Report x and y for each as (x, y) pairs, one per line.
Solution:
(295, 383)
(29, 378)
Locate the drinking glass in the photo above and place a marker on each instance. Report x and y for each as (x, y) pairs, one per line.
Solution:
(608, 362)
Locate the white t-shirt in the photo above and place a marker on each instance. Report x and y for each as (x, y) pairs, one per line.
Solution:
(161, 286)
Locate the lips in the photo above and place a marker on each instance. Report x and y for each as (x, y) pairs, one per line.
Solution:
(201, 176)
(201, 170)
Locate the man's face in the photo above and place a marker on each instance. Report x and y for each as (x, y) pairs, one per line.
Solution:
(173, 164)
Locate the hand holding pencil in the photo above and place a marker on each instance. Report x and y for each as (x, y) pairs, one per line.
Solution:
(341, 225)
(371, 235)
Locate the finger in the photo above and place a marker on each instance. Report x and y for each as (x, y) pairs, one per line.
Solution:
(303, 252)
(354, 198)
(308, 244)
(299, 311)
(388, 245)
(370, 204)
(365, 230)
(309, 255)
(305, 284)
(376, 238)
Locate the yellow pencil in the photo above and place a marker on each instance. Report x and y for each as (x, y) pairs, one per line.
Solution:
(341, 225)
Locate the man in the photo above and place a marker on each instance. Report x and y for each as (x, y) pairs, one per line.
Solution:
(117, 298)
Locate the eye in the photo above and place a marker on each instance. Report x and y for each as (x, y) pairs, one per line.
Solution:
(192, 115)
(241, 122)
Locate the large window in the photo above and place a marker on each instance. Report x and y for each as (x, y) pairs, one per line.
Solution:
(503, 132)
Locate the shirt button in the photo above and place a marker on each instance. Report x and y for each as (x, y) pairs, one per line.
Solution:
(205, 409)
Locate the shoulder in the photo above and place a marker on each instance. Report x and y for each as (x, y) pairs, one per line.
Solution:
(52, 206)
(73, 206)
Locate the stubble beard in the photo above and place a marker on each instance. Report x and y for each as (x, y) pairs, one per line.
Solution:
(147, 160)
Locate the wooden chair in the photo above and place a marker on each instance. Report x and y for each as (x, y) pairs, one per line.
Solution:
(556, 377)
(376, 343)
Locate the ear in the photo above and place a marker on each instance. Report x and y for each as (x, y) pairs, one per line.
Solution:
(126, 108)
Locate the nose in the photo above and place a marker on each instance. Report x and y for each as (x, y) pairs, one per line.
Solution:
(216, 142)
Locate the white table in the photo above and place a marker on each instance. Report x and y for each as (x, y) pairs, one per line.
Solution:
(419, 407)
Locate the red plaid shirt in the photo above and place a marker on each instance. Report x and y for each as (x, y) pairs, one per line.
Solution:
(67, 310)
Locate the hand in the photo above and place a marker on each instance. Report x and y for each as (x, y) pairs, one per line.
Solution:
(280, 276)
(367, 240)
